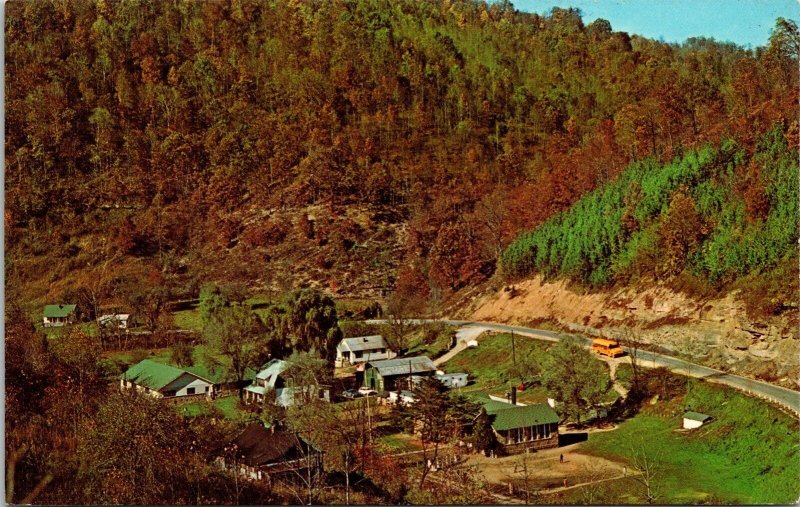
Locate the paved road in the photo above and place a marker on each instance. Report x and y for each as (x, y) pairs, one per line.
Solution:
(787, 398)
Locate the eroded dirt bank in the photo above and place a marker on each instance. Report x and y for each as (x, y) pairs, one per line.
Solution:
(716, 332)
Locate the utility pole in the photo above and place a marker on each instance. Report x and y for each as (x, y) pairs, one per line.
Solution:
(513, 350)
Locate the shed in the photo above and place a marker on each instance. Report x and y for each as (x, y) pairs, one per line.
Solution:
(453, 379)
(118, 320)
(692, 420)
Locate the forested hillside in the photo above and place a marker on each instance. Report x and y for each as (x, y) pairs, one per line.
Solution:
(715, 216)
(180, 139)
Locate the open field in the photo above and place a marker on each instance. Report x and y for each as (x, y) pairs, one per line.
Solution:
(748, 454)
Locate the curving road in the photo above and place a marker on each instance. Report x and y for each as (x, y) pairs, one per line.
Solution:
(786, 398)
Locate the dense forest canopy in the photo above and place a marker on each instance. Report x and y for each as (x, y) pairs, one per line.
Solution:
(475, 120)
(148, 140)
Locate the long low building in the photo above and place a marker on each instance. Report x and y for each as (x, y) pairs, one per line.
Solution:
(396, 373)
(520, 427)
(164, 381)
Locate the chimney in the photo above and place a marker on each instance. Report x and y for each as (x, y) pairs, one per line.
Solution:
(514, 395)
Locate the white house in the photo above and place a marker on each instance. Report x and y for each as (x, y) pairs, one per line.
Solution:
(271, 378)
(118, 320)
(362, 349)
(165, 381)
(692, 420)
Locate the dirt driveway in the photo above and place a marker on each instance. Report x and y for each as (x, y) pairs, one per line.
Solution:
(545, 471)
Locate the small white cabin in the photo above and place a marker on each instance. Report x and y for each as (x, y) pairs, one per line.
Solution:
(692, 420)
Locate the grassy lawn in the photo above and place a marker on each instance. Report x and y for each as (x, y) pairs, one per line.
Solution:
(188, 319)
(431, 340)
(748, 454)
(399, 442)
(490, 363)
(228, 407)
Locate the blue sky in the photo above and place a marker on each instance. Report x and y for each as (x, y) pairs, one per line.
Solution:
(744, 22)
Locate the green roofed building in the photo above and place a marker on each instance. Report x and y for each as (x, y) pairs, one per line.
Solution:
(520, 427)
(165, 381)
(58, 315)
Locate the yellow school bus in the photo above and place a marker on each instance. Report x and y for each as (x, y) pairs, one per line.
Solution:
(606, 347)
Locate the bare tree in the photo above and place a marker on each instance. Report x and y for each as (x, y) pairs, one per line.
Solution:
(632, 341)
(591, 489)
(522, 471)
(646, 466)
(399, 322)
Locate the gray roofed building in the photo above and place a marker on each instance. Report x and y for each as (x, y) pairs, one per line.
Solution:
(361, 349)
(383, 375)
(403, 366)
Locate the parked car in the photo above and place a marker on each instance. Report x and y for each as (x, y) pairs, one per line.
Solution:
(366, 391)
(351, 394)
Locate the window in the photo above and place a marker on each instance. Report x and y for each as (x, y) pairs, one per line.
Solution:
(190, 390)
(206, 388)
(359, 354)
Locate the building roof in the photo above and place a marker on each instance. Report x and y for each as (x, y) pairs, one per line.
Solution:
(258, 446)
(199, 370)
(696, 416)
(256, 389)
(363, 343)
(518, 416)
(403, 366)
(58, 311)
(152, 374)
(508, 416)
(271, 370)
